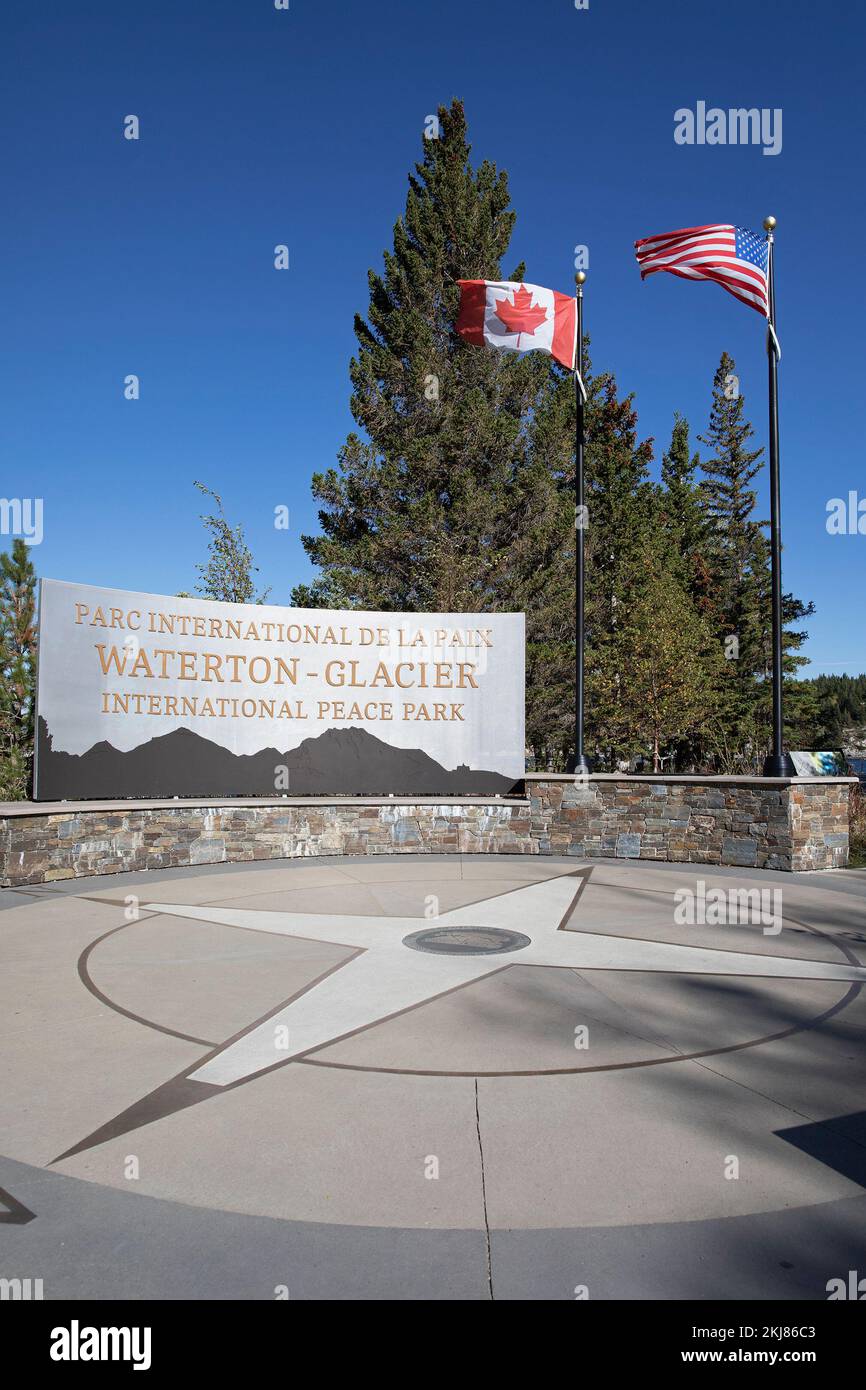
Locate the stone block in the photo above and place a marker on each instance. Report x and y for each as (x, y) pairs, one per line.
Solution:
(210, 851)
(628, 846)
(740, 852)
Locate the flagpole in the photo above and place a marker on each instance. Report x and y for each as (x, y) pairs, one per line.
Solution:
(580, 764)
(778, 763)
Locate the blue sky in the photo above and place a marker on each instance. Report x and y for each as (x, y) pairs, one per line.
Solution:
(261, 127)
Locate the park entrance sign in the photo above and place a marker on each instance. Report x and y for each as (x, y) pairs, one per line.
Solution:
(147, 695)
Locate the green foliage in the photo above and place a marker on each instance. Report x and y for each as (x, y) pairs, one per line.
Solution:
(839, 710)
(17, 671)
(736, 554)
(418, 513)
(228, 574)
(684, 513)
(658, 677)
(541, 575)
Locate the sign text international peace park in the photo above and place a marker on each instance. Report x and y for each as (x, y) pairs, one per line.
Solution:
(135, 689)
(240, 668)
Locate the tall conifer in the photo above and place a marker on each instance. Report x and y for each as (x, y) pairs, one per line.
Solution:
(738, 556)
(417, 515)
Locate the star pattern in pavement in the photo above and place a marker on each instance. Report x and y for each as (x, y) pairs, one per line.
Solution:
(384, 977)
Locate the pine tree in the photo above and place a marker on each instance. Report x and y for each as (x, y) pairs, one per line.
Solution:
(682, 510)
(728, 497)
(417, 515)
(738, 558)
(17, 670)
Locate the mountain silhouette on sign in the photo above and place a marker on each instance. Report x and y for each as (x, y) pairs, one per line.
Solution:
(181, 763)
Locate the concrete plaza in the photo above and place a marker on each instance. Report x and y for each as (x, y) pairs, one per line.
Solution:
(244, 1081)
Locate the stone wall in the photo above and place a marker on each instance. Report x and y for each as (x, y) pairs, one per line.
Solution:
(750, 822)
(763, 823)
(95, 839)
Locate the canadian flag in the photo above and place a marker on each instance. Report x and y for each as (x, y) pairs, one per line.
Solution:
(517, 317)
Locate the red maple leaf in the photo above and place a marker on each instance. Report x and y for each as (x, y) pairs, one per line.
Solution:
(520, 315)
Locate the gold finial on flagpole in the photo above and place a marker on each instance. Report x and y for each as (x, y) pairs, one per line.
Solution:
(769, 224)
(580, 277)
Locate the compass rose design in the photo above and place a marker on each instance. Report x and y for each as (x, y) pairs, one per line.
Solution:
(401, 963)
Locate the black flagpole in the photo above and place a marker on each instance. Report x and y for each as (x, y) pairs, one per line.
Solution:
(580, 764)
(778, 763)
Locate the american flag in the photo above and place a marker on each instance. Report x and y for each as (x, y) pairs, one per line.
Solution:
(732, 256)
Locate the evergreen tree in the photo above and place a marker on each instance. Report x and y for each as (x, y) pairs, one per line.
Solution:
(679, 467)
(803, 717)
(738, 557)
(683, 512)
(417, 515)
(17, 670)
(729, 499)
(841, 714)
